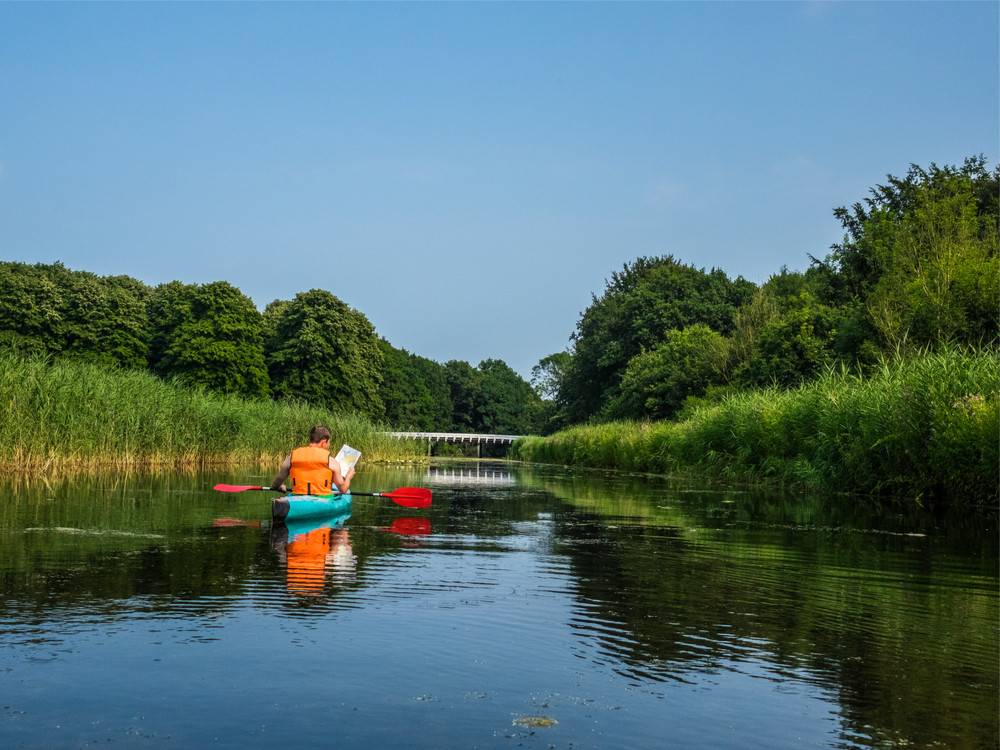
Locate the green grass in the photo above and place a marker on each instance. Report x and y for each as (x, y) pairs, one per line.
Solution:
(924, 426)
(65, 415)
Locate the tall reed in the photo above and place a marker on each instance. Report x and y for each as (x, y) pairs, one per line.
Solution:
(65, 414)
(924, 426)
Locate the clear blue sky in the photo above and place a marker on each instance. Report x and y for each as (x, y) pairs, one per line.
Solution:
(467, 175)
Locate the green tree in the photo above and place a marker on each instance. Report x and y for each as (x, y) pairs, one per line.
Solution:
(792, 346)
(415, 391)
(920, 256)
(685, 364)
(434, 378)
(760, 310)
(408, 402)
(209, 336)
(640, 304)
(504, 402)
(941, 274)
(546, 379)
(324, 352)
(125, 333)
(463, 385)
(30, 309)
(52, 309)
(548, 374)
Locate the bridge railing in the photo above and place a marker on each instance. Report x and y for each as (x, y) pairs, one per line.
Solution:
(457, 437)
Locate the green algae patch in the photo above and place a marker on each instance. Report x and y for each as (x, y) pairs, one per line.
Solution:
(535, 721)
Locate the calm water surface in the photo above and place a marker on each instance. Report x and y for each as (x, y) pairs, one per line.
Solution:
(525, 608)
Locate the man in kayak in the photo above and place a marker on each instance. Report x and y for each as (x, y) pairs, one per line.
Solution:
(312, 469)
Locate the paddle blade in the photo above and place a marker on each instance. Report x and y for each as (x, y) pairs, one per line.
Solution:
(410, 497)
(237, 487)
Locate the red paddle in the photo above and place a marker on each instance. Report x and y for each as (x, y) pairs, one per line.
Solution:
(408, 497)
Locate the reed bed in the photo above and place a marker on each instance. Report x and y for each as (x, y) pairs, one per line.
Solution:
(75, 415)
(926, 426)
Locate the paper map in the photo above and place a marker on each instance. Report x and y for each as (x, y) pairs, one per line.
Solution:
(347, 457)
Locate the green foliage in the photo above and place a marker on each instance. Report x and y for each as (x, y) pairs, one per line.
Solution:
(546, 378)
(941, 273)
(209, 336)
(324, 352)
(659, 381)
(918, 270)
(547, 375)
(29, 309)
(640, 304)
(48, 309)
(463, 385)
(72, 415)
(124, 332)
(920, 255)
(434, 378)
(414, 391)
(403, 396)
(212, 337)
(795, 344)
(921, 426)
(504, 402)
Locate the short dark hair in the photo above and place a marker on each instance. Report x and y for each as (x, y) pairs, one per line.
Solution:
(319, 433)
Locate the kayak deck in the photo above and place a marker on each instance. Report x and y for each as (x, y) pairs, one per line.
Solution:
(294, 507)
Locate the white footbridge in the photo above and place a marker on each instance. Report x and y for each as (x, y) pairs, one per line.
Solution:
(457, 437)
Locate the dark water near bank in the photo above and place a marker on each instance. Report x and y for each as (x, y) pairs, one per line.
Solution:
(525, 608)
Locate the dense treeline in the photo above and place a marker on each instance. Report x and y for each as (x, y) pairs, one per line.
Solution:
(917, 269)
(927, 426)
(873, 371)
(313, 348)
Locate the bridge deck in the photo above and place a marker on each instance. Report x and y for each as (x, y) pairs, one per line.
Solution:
(456, 437)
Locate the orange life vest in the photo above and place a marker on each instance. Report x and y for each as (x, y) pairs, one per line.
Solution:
(310, 472)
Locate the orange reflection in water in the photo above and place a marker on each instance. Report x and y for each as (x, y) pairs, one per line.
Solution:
(313, 555)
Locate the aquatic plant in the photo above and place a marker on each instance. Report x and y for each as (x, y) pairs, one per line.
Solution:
(69, 414)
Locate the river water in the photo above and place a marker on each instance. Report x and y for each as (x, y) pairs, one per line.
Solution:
(527, 607)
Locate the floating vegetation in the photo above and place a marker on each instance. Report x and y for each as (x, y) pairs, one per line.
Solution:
(92, 532)
(535, 721)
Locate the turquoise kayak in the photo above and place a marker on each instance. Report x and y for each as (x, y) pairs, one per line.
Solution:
(296, 507)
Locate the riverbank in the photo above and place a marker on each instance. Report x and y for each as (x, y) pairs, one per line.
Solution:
(66, 416)
(926, 427)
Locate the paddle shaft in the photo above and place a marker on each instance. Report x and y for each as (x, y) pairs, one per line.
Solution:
(411, 497)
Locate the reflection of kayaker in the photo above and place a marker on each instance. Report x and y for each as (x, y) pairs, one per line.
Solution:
(312, 553)
(309, 557)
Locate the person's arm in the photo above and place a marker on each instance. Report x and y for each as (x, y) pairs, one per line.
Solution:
(343, 483)
(279, 481)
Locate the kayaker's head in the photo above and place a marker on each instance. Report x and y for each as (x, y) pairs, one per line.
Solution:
(319, 434)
